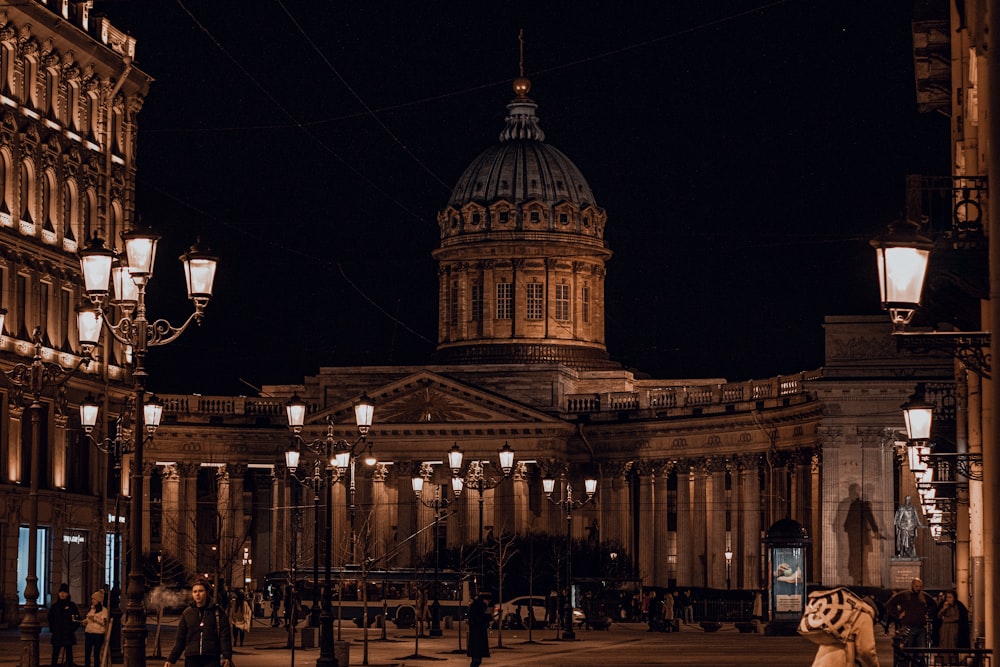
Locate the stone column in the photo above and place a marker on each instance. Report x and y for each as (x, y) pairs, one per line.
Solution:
(715, 525)
(264, 534)
(341, 533)
(233, 523)
(382, 514)
(277, 554)
(406, 518)
(187, 535)
(613, 504)
(661, 510)
(746, 569)
(647, 521)
(699, 528)
(685, 544)
(170, 530)
(519, 495)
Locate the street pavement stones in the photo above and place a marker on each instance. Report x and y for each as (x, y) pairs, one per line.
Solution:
(625, 645)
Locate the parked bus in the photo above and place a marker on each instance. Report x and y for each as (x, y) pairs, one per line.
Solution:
(390, 592)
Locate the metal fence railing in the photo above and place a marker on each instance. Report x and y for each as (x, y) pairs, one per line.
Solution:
(903, 656)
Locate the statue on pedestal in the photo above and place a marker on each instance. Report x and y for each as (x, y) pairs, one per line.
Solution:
(907, 522)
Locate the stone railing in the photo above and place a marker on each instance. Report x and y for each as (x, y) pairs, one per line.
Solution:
(215, 406)
(693, 396)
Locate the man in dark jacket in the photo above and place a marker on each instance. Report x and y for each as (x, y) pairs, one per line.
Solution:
(480, 616)
(911, 609)
(64, 619)
(203, 633)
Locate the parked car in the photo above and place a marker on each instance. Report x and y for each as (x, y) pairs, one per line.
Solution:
(515, 613)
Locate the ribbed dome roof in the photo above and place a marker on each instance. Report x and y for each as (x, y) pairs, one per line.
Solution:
(522, 167)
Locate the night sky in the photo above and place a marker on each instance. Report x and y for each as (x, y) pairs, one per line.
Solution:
(745, 152)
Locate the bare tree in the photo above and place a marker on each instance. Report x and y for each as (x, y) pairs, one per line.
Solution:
(501, 550)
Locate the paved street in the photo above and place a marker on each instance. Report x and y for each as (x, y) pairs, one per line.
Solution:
(624, 645)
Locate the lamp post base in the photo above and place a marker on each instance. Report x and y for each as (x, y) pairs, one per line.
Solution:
(435, 629)
(30, 631)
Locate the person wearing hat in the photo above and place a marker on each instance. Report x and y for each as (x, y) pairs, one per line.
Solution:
(95, 624)
(64, 620)
(480, 617)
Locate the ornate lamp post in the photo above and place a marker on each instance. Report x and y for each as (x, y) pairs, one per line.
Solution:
(29, 382)
(117, 447)
(729, 568)
(438, 503)
(337, 454)
(131, 273)
(477, 478)
(569, 503)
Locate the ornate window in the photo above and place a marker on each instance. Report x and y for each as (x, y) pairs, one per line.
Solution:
(453, 304)
(535, 301)
(562, 302)
(503, 300)
(476, 294)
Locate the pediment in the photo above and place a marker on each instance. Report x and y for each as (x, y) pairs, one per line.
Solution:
(426, 398)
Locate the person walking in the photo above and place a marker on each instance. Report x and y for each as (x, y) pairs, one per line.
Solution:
(687, 606)
(203, 633)
(480, 615)
(911, 609)
(95, 624)
(276, 595)
(239, 616)
(64, 620)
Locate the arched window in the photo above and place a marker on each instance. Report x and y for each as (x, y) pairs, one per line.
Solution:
(50, 203)
(27, 194)
(71, 214)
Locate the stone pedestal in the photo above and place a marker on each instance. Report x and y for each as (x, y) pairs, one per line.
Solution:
(902, 571)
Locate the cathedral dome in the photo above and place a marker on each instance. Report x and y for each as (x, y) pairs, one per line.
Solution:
(521, 263)
(521, 184)
(522, 167)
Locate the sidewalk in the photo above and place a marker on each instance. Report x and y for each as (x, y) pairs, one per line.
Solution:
(624, 645)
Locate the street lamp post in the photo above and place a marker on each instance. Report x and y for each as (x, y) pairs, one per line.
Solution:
(117, 447)
(29, 382)
(729, 568)
(439, 503)
(334, 454)
(130, 272)
(477, 479)
(567, 502)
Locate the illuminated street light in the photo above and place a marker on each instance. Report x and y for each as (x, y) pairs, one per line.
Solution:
(567, 502)
(331, 453)
(137, 334)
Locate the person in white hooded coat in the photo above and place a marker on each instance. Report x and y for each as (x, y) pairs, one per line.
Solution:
(855, 643)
